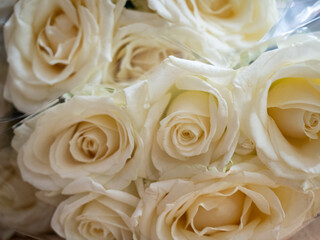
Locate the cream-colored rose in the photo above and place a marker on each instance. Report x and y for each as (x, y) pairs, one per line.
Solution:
(20, 210)
(240, 23)
(279, 99)
(244, 203)
(95, 213)
(144, 40)
(191, 123)
(51, 52)
(87, 136)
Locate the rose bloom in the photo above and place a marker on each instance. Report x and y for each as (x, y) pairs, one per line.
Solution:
(143, 40)
(244, 203)
(87, 136)
(52, 52)
(190, 123)
(279, 100)
(95, 213)
(20, 210)
(238, 23)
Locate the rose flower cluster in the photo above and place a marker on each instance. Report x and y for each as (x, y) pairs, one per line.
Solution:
(138, 127)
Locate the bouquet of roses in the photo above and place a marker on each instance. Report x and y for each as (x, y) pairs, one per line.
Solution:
(142, 120)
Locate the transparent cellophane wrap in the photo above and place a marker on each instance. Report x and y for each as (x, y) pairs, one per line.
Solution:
(299, 20)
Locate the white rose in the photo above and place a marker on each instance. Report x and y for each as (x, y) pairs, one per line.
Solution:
(240, 23)
(59, 49)
(244, 203)
(18, 203)
(279, 98)
(87, 136)
(95, 213)
(144, 40)
(191, 123)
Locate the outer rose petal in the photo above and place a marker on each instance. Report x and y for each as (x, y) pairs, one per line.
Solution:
(262, 208)
(57, 51)
(285, 87)
(93, 212)
(237, 23)
(95, 139)
(143, 40)
(173, 116)
(19, 204)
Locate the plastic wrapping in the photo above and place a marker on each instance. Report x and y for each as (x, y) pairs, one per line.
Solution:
(298, 17)
(298, 14)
